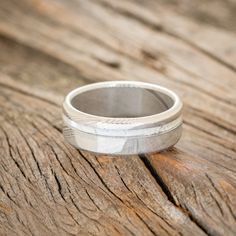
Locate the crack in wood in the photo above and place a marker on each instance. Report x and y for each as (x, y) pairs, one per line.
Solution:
(169, 195)
(98, 175)
(220, 194)
(158, 179)
(149, 228)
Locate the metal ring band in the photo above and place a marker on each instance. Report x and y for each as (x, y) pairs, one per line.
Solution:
(122, 118)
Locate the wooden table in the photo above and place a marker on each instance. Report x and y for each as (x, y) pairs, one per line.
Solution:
(48, 48)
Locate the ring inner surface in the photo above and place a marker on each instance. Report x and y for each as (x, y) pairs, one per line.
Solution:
(122, 102)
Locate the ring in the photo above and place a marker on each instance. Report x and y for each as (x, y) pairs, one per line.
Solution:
(122, 118)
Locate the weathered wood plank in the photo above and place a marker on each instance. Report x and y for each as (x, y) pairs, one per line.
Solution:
(48, 187)
(98, 195)
(43, 113)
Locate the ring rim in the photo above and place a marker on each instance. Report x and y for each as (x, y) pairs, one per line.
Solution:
(158, 118)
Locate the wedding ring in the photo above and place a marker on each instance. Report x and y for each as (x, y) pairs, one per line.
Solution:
(122, 118)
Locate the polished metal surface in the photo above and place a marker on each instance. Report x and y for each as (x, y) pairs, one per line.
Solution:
(122, 117)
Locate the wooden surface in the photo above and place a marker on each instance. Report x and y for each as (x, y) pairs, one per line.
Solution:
(48, 48)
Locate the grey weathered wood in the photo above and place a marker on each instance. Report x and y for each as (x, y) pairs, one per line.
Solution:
(49, 188)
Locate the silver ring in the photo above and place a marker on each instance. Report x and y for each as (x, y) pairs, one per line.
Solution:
(122, 118)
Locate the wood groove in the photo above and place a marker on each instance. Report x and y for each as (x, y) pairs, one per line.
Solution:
(158, 179)
(168, 193)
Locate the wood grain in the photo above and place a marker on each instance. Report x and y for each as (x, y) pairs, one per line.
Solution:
(49, 188)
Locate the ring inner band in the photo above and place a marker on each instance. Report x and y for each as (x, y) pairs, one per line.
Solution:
(122, 102)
